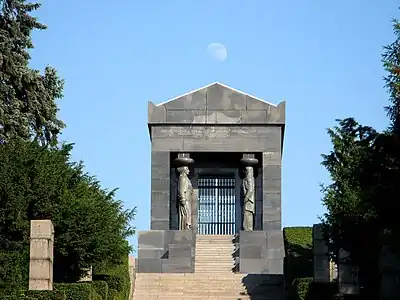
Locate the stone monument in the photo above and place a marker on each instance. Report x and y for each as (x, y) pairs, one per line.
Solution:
(41, 255)
(215, 170)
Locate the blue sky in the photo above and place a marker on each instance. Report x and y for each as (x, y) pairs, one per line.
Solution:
(322, 57)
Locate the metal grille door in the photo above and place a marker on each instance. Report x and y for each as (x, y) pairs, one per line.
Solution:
(217, 202)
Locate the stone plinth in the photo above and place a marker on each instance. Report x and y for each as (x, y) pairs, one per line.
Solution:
(347, 275)
(166, 251)
(41, 255)
(261, 252)
(132, 275)
(321, 255)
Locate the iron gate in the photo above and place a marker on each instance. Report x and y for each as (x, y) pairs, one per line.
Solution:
(217, 202)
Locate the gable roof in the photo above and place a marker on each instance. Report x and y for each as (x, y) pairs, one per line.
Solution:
(216, 103)
(216, 83)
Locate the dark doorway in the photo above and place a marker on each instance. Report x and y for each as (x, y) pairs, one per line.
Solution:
(217, 204)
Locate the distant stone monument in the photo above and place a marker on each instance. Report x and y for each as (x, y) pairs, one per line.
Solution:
(216, 132)
(41, 255)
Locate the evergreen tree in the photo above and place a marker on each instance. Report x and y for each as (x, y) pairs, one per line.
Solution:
(36, 183)
(27, 98)
(391, 63)
(361, 202)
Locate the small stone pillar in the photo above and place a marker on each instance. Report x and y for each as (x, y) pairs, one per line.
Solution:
(347, 275)
(321, 255)
(132, 275)
(41, 255)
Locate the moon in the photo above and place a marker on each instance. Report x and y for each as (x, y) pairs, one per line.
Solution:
(217, 51)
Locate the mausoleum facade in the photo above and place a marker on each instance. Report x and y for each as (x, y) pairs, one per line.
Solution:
(215, 170)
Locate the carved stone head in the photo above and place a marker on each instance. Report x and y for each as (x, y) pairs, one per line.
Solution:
(249, 171)
(183, 170)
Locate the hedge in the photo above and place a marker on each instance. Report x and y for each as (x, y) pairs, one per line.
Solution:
(101, 287)
(307, 289)
(36, 295)
(14, 272)
(15, 297)
(299, 267)
(298, 262)
(117, 278)
(301, 286)
(45, 295)
(75, 291)
(113, 294)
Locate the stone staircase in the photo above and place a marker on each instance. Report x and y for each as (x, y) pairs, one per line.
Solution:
(214, 254)
(213, 278)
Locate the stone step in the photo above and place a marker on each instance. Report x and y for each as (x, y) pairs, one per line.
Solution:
(208, 284)
(214, 248)
(214, 262)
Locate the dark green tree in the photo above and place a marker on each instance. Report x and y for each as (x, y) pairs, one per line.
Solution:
(91, 226)
(362, 201)
(27, 98)
(351, 220)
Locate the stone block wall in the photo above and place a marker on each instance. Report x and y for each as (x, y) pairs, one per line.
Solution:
(255, 139)
(261, 252)
(165, 251)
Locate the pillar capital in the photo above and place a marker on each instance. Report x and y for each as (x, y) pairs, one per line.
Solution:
(183, 159)
(249, 160)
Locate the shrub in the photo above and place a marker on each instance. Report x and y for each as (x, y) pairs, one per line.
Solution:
(298, 261)
(117, 277)
(101, 287)
(45, 295)
(15, 297)
(14, 272)
(301, 288)
(307, 289)
(113, 295)
(75, 291)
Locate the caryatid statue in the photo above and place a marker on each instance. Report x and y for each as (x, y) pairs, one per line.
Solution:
(185, 192)
(249, 206)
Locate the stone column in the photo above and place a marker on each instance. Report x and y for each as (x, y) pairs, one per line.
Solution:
(347, 275)
(182, 163)
(249, 202)
(321, 255)
(41, 255)
(132, 275)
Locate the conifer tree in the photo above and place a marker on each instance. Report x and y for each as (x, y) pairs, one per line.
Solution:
(28, 108)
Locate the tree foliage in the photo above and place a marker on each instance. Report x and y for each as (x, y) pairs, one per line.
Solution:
(27, 98)
(41, 183)
(364, 166)
(350, 221)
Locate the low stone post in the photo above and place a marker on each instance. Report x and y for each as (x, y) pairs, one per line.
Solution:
(347, 275)
(132, 275)
(41, 255)
(321, 255)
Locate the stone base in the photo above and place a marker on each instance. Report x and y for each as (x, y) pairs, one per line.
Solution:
(261, 252)
(165, 251)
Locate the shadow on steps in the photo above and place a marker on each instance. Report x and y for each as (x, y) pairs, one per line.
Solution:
(264, 287)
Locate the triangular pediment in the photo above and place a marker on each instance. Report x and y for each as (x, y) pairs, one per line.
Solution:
(217, 103)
